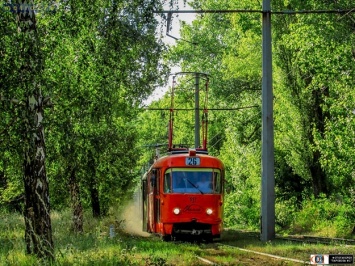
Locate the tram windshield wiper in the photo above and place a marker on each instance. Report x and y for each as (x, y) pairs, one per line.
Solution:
(188, 180)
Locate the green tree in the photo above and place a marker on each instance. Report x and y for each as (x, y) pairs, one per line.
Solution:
(100, 73)
(313, 82)
(21, 77)
(309, 81)
(96, 63)
(227, 47)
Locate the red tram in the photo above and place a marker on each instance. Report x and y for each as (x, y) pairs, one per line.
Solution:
(182, 193)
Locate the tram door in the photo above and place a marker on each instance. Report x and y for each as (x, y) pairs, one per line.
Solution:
(153, 206)
(144, 201)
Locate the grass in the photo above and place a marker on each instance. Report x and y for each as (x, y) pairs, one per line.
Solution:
(96, 247)
(300, 251)
(332, 216)
(93, 247)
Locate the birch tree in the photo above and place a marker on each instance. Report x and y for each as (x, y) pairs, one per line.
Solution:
(38, 230)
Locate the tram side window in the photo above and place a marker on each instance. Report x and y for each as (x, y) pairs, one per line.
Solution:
(217, 182)
(153, 177)
(167, 181)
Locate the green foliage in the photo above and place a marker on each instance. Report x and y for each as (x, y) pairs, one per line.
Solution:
(314, 82)
(94, 246)
(156, 261)
(95, 73)
(227, 49)
(285, 212)
(332, 217)
(313, 101)
(98, 67)
(11, 187)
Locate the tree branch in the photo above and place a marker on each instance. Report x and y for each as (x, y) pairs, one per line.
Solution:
(13, 100)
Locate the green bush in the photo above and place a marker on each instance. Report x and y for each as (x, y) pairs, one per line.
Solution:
(241, 210)
(333, 217)
(285, 211)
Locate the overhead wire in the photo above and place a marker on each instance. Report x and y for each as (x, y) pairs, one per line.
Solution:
(282, 12)
(201, 109)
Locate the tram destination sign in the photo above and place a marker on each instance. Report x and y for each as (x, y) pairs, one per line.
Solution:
(192, 161)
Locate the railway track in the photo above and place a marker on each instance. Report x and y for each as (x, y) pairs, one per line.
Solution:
(223, 254)
(245, 248)
(252, 257)
(263, 258)
(317, 240)
(206, 261)
(304, 238)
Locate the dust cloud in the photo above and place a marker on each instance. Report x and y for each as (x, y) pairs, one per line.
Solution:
(132, 216)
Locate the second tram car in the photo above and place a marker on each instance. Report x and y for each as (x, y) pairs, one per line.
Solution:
(183, 195)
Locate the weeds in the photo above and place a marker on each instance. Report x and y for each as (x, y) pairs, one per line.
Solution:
(156, 261)
(95, 246)
(326, 217)
(92, 247)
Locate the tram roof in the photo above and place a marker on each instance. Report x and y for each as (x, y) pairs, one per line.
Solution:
(179, 159)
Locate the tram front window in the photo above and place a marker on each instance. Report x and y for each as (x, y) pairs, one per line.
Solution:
(192, 180)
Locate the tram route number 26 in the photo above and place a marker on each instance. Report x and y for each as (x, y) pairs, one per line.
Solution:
(192, 161)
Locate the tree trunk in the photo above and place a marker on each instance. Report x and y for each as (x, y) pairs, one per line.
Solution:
(319, 181)
(38, 231)
(77, 208)
(318, 117)
(94, 192)
(95, 202)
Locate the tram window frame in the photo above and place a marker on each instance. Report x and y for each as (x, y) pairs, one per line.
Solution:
(167, 181)
(217, 183)
(216, 186)
(154, 180)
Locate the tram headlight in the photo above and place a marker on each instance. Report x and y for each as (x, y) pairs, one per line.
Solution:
(176, 211)
(209, 211)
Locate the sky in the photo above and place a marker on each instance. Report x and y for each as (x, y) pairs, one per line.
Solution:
(175, 31)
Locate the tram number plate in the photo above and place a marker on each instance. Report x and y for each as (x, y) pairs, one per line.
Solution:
(192, 161)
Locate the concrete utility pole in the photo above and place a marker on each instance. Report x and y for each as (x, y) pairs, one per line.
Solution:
(267, 160)
(197, 110)
(197, 103)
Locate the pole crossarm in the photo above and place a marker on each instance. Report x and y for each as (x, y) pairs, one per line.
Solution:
(282, 12)
(295, 12)
(190, 72)
(201, 109)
